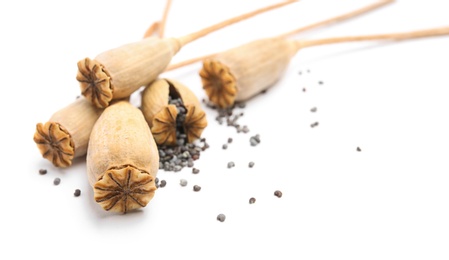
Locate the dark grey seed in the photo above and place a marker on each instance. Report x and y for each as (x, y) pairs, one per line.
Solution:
(42, 171)
(251, 164)
(254, 140)
(56, 181)
(313, 109)
(77, 193)
(245, 129)
(300, 73)
(278, 193)
(225, 146)
(195, 170)
(156, 180)
(252, 200)
(320, 82)
(221, 217)
(163, 183)
(358, 149)
(229, 140)
(231, 164)
(183, 182)
(304, 90)
(78, 96)
(196, 188)
(314, 124)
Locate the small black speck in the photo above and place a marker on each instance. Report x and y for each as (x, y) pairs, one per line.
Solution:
(314, 124)
(225, 146)
(303, 89)
(56, 181)
(358, 149)
(278, 193)
(221, 217)
(77, 193)
(163, 183)
(231, 164)
(320, 82)
(251, 164)
(196, 188)
(42, 171)
(313, 109)
(252, 200)
(195, 170)
(229, 140)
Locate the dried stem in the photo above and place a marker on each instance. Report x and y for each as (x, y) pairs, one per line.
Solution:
(164, 19)
(159, 27)
(194, 36)
(391, 36)
(326, 22)
(339, 18)
(151, 30)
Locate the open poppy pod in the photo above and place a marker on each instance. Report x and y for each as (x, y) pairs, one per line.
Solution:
(173, 112)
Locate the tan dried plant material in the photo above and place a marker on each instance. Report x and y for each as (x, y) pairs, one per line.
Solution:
(122, 160)
(240, 73)
(65, 135)
(118, 72)
(243, 72)
(162, 117)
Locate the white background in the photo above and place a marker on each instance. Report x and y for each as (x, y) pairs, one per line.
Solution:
(389, 201)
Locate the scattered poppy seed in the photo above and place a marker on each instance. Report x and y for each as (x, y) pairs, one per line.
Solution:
(229, 140)
(231, 164)
(225, 146)
(304, 90)
(196, 188)
(221, 217)
(278, 193)
(254, 140)
(183, 182)
(77, 193)
(251, 164)
(163, 183)
(313, 109)
(56, 181)
(314, 124)
(195, 170)
(320, 82)
(42, 171)
(252, 200)
(358, 149)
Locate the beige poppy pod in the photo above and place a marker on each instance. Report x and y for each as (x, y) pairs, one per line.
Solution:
(117, 73)
(65, 136)
(122, 159)
(162, 117)
(244, 71)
